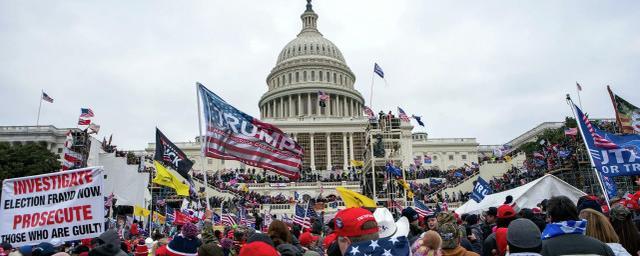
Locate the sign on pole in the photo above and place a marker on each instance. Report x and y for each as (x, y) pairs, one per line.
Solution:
(480, 190)
(68, 205)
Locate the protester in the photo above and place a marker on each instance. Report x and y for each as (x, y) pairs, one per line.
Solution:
(355, 225)
(412, 216)
(625, 228)
(474, 232)
(450, 235)
(523, 238)
(565, 234)
(108, 245)
(432, 222)
(598, 227)
(210, 244)
(497, 241)
(490, 217)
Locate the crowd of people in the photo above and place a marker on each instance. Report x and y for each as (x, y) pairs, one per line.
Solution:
(557, 226)
(241, 175)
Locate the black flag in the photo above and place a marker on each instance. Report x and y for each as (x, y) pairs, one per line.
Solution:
(170, 155)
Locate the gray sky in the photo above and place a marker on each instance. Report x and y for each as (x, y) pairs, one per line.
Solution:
(485, 69)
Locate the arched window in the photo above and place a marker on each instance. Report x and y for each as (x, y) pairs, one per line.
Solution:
(304, 76)
(297, 77)
(283, 81)
(320, 76)
(335, 81)
(278, 79)
(305, 47)
(341, 80)
(313, 75)
(328, 77)
(289, 78)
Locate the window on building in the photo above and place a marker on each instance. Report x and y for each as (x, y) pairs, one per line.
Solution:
(328, 77)
(435, 157)
(222, 161)
(450, 157)
(313, 75)
(59, 150)
(289, 78)
(464, 157)
(297, 77)
(209, 161)
(335, 79)
(320, 76)
(304, 76)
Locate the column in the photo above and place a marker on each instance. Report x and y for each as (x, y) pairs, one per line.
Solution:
(328, 151)
(309, 104)
(290, 106)
(313, 154)
(299, 113)
(351, 146)
(344, 151)
(281, 107)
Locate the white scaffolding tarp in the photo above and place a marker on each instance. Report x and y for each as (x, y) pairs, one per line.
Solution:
(525, 196)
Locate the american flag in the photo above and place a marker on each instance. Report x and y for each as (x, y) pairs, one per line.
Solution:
(427, 159)
(70, 159)
(86, 112)
(228, 219)
(286, 219)
(578, 86)
(234, 135)
(46, 97)
(598, 140)
(301, 218)
(571, 131)
(395, 204)
(84, 121)
(378, 70)
(215, 218)
(421, 208)
(388, 246)
(403, 116)
(369, 112)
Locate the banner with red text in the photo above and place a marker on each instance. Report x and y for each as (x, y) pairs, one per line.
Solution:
(68, 205)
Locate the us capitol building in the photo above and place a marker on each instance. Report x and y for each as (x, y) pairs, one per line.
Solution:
(334, 135)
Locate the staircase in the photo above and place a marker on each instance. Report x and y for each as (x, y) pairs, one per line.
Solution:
(487, 172)
(213, 191)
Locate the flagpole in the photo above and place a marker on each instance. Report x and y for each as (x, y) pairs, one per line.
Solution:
(578, 91)
(39, 107)
(202, 156)
(575, 115)
(371, 92)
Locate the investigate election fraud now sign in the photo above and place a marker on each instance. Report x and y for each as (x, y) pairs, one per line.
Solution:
(68, 205)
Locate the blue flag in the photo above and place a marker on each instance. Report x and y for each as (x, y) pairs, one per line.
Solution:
(378, 70)
(418, 119)
(395, 171)
(613, 155)
(480, 190)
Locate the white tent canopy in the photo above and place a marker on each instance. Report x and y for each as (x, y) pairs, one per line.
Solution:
(525, 196)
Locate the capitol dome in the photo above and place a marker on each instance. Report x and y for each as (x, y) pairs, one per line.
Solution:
(307, 65)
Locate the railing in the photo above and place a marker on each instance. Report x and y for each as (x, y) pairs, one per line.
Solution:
(302, 184)
(214, 187)
(452, 185)
(289, 206)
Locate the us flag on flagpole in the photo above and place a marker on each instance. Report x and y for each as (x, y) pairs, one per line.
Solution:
(234, 135)
(46, 97)
(86, 112)
(403, 116)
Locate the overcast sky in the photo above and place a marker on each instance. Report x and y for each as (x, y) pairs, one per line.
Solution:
(485, 69)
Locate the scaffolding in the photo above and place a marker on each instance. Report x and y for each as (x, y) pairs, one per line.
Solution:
(383, 146)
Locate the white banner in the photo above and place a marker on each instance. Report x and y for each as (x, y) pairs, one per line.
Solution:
(68, 205)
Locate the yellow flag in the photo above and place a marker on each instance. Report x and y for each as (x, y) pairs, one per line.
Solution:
(354, 199)
(164, 177)
(139, 211)
(157, 217)
(357, 163)
(507, 158)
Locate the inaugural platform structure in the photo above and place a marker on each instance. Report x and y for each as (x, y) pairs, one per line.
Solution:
(388, 142)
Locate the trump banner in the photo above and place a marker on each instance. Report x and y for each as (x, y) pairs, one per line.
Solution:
(234, 135)
(67, 205)
(612, 155)
(480, 190)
